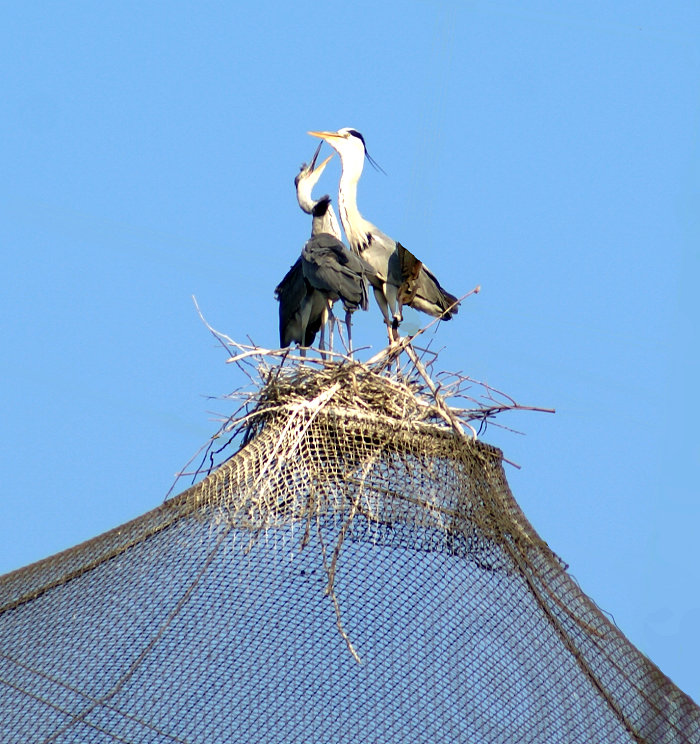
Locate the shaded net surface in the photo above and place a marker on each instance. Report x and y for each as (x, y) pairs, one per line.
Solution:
(345, 577)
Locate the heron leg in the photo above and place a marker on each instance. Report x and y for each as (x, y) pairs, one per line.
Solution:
(339, 327)
(331, 323)
(393, 304)
(392, 299)
(327, 320)
(380, 297)
(348, 325)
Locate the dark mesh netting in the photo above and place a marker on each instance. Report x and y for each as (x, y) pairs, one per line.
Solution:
(347, 576)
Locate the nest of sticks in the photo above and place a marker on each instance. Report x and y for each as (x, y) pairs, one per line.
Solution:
(399, 386)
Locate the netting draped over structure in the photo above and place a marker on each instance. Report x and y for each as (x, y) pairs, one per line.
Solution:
(356, 572)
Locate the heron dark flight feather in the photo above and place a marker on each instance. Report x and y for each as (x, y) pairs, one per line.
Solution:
(293, 295)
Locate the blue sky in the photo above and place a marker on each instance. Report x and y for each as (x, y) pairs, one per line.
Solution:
(548, 153)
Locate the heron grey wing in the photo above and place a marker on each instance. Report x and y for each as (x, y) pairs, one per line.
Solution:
(317, 315)
(325, 262)
(354, 264)
(293, 281)
(431, 298)
(290, 293)
(379, 254)
(408, 269)
(325, 242)
(322, 262)
(369, 270)
(367, 273)
(419, 288)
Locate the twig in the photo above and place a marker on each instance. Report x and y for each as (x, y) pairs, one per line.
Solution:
(411, 392)
(439, 400)
(395, 349)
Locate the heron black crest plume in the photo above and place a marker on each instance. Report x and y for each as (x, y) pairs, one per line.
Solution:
(370, 159)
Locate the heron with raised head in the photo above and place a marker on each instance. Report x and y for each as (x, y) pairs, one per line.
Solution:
(325, 272)
(402, 278)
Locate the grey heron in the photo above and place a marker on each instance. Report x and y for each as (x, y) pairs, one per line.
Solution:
(403, 279)
(325, 272)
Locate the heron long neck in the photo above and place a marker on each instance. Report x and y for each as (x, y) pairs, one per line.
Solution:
(325, 221)
(355, 225)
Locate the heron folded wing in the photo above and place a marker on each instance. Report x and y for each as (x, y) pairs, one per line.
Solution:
(290, 294)
(410, 268)
(431, 298)
(330, 268)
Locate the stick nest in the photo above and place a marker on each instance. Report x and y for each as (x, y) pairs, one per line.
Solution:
(357, 387)
(397, 386)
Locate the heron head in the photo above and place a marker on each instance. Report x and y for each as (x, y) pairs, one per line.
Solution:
(349, 144)
(307, 178)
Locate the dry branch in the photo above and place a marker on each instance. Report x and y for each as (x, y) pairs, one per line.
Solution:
(396, 384)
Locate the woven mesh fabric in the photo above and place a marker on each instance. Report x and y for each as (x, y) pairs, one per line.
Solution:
(345, 577)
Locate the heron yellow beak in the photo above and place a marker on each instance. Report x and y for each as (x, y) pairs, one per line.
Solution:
(313, 159)
(325, 135)
(313, 168)
(322, 165)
